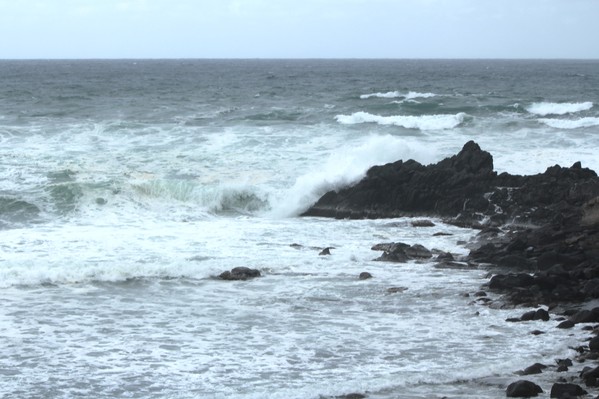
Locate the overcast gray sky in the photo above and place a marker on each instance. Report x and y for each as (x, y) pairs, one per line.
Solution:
(299, 28)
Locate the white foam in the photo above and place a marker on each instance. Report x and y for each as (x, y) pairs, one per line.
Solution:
(548, 108)
(570, 123)
(396, 94)
(423, 122)
(346, 166)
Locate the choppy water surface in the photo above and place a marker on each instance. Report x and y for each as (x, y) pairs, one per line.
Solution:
(127, 186)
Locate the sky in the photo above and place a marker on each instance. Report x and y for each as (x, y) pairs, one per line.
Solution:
(299, 29)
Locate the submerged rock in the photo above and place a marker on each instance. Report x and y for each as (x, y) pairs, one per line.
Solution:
(240, 273)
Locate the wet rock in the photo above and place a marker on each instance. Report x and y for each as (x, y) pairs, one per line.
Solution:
(400, 252)
(564, 362)
(523, 389)
(445, 256)
(565, 391)
(422, 223)
(240, 273)
(326, 251)
(589, 376)
(539, 314)
(507, 281)
(536, 368)
(537, 332)
(351, 396)
(401, 188)
(365, 276)
(594, 344)
(586, 316)
(394, 290)
(565, 324)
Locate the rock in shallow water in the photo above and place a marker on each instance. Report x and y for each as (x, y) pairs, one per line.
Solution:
(563, 391)
(240, 273)
(523, 389)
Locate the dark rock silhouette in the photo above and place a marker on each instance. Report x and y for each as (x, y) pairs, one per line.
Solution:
(240, 273)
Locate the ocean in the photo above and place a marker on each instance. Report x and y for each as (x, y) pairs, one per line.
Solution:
(128, 186)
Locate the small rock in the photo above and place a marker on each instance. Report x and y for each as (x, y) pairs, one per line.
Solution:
(445, 256)
(564, 362)
(394, 290)
(365, 276)
(523, 389)
(240, 273)
(351, 396)
(422, 223)
(480, 293)
(536, 368)
(326, 251)
(537, 332)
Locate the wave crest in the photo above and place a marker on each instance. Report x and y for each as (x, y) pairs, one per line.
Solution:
(546, 108)
(346, 166)
(396, 94)
(237, 198)
(570, 123)
(423, 122)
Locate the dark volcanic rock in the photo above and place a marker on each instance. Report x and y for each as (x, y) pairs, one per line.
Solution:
(564, 391)
(523, 389)
(401, 188)
(465, 185)
(240, 273)
(555, 259)
(365, 276)
(400, 252)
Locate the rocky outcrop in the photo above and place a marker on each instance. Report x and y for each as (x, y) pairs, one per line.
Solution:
(466, 189)
(550, 252)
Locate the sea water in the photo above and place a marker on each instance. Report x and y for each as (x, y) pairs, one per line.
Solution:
(127, 186)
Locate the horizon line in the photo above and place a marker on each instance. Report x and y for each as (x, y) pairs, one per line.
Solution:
(305, 58)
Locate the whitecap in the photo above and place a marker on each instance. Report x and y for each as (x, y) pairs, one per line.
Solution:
(396, 94)
(423, 122)
(570, 123)
(346, 166)
(547, 108)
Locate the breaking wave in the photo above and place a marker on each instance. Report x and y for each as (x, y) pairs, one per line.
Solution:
(423, 122)
(396, 94)
(545, 108)
(238, 198)
(570, 123)
(344, 167)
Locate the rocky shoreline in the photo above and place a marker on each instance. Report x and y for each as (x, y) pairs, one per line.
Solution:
(539, 238)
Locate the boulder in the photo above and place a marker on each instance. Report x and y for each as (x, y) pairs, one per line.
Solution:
(566, 324)
(523, 389)
(564, 391)
(594, 344)
(400, 252)
(536, 368)
(422, 223)
(240, 273)
(365, 276)
(502, 281)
